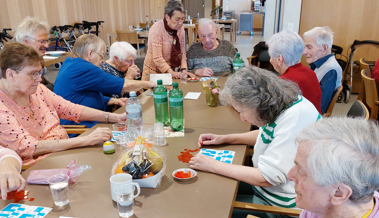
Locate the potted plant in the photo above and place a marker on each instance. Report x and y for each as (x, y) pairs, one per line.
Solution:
(217, 12)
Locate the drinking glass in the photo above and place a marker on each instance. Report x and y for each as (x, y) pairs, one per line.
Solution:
(183, 77)
(59, 189)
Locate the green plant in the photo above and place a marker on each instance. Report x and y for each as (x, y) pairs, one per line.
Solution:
(219, 8)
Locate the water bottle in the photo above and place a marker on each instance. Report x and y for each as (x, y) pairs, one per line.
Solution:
(161, 104)
(147, 23)
(237, 63)
(133, 111)
(176, 108)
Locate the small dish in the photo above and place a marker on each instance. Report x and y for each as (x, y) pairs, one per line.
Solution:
(193, 79)
(55, 53)
(185, 170)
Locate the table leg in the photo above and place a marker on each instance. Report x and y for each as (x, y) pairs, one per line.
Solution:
(235, 32)
(223, 32)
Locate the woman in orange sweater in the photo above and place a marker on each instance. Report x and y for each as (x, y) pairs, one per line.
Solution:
(166, 47)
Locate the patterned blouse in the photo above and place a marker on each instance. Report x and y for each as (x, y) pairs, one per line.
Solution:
(113, 71)
(21, 128)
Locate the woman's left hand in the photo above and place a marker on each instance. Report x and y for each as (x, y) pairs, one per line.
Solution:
(10, 178)
(202, 162)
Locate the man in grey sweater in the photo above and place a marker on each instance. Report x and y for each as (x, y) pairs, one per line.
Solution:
(211, 56)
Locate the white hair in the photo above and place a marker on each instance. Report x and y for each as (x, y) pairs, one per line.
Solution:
(288, 44)
(121, 50)
(29, 27)
(344, 151)
(324, 35)
(207, 21)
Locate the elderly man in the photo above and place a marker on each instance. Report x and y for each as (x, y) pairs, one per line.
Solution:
(337, 169)
(33, 32)
(285, 49)
(211, 56)
(121, 63)
(318, 44)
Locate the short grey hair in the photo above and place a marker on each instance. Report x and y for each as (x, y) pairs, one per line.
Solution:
(29, 27)
(344, 151)
(260, 90)
(173, 5)
(85, 43)
(288, 44)
(121, 50)
(207, 21)
(324, 35)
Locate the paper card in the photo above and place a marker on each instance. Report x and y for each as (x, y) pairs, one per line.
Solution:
(207, 78)
(24, 211)
(115, 134)
(165, 77)
(192, 95)
(220, 155)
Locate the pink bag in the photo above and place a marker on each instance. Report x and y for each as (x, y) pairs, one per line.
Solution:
(41, 176)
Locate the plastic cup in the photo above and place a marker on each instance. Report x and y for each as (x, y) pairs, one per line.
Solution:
(59, 189)
(183, 78)
(159, 137)
(119, 127)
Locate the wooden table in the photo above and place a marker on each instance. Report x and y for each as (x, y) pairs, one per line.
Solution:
(191, 32)
(233, 28)
(49, 62)
(206, 195)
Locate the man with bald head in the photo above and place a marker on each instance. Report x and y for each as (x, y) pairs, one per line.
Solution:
(211, 56)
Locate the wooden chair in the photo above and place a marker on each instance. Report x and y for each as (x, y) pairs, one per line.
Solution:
(75, 129)
(364, 66)
(142, 25)
(266, 209)
(358, 109)
(329, 111)
(131, 37)
(197, 37)
(257, 60)
(371, 92)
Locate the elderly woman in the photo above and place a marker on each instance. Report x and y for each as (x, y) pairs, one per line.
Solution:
(285, 49)
(81, 81)
(337, 169)
(29, 112)
(121, 63)
(276, 106)
(166, 47)
(33, 32)
(10, 167)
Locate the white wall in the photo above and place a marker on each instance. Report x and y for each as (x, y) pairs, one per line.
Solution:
(237, 6)
(207, 8)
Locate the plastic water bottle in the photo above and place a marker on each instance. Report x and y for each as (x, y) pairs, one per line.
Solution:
(133, 111)
(161, 104)
(176, 108)
(147, 23)
(237, 63)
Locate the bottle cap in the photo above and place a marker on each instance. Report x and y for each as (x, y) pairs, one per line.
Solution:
(132, 94)
(238, 55)
(175, 84)
(159, 82)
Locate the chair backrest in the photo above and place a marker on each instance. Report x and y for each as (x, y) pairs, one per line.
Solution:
(358, 109)
(197, 37)
(127, 36)
(365, 66)
(371, 92)
(142, 25)
(329, 111)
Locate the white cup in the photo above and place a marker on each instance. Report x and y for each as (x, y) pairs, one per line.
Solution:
(123, 181)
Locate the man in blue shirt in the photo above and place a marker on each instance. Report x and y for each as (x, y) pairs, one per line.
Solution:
(318, 50)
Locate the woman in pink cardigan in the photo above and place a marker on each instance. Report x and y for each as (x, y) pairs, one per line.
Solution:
(166, 47)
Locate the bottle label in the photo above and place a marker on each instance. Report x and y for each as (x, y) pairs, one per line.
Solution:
(160, 98)
(176, 102)
(134, 113)
(237, 66)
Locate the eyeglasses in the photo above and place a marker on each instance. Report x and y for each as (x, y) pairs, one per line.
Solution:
(34, 74)
(41, 42)
(102, 56)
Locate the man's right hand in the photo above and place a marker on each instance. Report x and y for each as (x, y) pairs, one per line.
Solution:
(204, 72)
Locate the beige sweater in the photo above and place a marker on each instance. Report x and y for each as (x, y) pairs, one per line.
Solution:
(159, 50)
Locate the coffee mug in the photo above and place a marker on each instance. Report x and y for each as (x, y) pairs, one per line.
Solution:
(123, 181)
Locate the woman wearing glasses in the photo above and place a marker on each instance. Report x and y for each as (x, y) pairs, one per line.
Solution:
(29, 112)
(166, 47)
(81, 81)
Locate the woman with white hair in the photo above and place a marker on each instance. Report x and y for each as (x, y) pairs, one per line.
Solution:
(276, 106)
(121, 63)
(81, 81)
(336, 170)
(285, 49)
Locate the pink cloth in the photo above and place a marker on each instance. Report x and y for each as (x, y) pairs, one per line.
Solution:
(23, 127)
(375, 72)
(6, 152)
(158, 55)
(374, 213)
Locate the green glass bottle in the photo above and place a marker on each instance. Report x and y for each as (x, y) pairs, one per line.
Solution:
(237, 63)
(176, 108)
(161, 104)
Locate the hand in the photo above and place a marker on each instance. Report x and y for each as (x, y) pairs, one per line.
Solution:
(10, 178)
(151, 84)
(204, 72)
(99, 135)
(117, 118)
(176, 75)
(202, 162)
(211, 139)
(191, 75)
(117, 101)
(133, 72)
